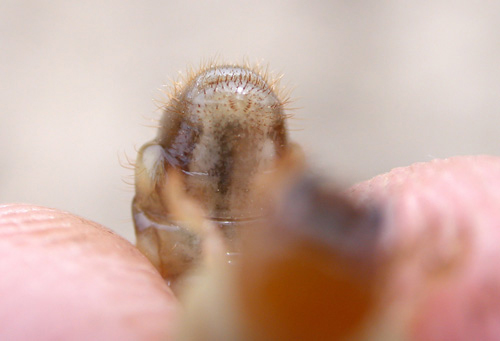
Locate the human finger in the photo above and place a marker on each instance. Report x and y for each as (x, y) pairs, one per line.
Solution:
(64, 277)
(441, 234)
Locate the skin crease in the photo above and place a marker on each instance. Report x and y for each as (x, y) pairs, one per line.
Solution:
(64, 277)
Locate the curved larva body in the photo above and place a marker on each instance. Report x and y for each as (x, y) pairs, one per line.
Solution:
(220, 130)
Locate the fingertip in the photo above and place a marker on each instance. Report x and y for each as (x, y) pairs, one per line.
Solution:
(64, 277)
(462, 190)
(441, 241)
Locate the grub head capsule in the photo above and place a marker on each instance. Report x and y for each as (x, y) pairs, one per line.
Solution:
(223, 127)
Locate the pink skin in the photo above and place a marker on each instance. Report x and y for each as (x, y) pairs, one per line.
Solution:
(67, 278)
(443, 220)
(63, 277)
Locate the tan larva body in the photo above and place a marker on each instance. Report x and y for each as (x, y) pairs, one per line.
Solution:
(220, 130)
(307, 271)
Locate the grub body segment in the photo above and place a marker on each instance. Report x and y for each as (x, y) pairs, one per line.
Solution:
(224, 127)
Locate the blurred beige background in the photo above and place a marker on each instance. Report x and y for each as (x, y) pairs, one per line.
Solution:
(380, 84)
